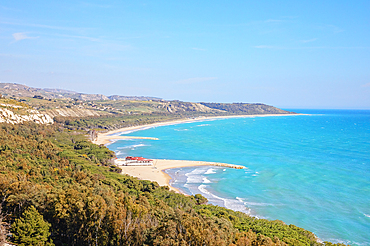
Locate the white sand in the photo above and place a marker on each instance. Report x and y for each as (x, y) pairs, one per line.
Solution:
(156, 172)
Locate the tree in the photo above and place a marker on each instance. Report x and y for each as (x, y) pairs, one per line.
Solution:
(31, 229)
(200, 199)
(3, 228)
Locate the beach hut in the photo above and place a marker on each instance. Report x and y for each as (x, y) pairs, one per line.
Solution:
(139, 161)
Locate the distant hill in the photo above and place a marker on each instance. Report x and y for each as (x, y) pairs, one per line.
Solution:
(61, 91)
(18, 90)
(246, 108)
(60, 103)
(134, 98)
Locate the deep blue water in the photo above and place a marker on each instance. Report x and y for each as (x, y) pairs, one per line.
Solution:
(309, 170)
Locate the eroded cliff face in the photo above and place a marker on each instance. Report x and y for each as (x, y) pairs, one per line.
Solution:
(8, 116)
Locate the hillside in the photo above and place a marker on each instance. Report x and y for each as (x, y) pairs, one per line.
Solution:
(67, 188)
(51, 174)
(113, 109)
(18, 91)
(14, 112)
(246, 108)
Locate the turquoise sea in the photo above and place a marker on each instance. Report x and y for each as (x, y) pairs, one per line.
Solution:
(312, 171)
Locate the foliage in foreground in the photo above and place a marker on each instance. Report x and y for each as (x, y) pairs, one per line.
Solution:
(66, 182)
(31, 229)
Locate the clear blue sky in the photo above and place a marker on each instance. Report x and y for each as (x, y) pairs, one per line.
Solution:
(290, 54)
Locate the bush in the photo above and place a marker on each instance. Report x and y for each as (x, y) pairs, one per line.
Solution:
(31, 229)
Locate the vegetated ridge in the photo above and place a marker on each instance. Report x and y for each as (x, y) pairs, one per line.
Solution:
(246, 108)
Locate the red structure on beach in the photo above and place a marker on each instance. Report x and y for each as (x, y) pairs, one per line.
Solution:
(138, 159)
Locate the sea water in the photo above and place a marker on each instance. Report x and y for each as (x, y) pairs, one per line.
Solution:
(312, 171)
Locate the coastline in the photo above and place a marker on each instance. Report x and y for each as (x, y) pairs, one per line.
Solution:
(107, 138)
(168, 181)
(157, 171)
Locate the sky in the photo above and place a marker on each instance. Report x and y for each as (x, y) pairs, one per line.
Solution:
(285, 53)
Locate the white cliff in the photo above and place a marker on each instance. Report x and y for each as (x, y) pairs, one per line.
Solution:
(9, 116)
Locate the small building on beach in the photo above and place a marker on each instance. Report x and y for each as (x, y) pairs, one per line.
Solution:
(138, 159)
(134, 161)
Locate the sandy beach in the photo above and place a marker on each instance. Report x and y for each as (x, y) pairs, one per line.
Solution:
(156, 172)
(107, 137)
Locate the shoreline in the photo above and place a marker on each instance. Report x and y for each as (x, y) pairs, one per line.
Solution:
(157, 171)
(106, 138)
(167, 176)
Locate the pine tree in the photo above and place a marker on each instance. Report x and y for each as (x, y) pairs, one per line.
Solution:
(31, 229)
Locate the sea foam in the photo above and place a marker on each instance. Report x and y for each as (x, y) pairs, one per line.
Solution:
(132, 146)
(210, 171)
(233, 204)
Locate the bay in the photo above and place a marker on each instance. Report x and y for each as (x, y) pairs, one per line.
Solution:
(312, 171)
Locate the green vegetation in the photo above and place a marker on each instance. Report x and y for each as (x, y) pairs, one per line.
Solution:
(12, 103)
(112, 122)
(58, 187)
(15, 106)
(246, 108)
(52, 104)
(50, 174)
(134, 113)
(31, 229)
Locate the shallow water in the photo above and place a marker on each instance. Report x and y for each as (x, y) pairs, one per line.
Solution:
(309, 170)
